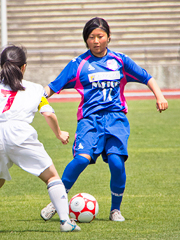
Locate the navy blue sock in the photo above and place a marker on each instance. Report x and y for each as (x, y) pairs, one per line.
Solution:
(118, 179)
(73, 170)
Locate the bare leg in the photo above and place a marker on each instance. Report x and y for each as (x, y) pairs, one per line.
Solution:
(49, 174)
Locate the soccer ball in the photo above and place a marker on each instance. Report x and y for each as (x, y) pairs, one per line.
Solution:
(83, 207)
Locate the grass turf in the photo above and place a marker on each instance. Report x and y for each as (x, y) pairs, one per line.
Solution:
(151, 199)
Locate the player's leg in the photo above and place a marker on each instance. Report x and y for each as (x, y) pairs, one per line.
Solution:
(82, 148)
(74, 169)
(2, 181)
(117, 185)
(58, 197)
(56, 191)
(118, 129)
(31, 156)
(69, 177)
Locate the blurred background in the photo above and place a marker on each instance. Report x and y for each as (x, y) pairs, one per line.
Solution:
(51, 31)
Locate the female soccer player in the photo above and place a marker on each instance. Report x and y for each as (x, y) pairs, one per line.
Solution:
(19, 100)
(100, 75)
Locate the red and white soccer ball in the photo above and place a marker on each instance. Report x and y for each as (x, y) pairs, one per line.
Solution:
(83, 207)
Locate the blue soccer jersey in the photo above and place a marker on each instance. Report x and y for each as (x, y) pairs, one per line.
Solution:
(100, 81)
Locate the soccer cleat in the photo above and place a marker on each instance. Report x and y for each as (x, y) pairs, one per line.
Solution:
(48, 212)
(66, 226)
(115, 215)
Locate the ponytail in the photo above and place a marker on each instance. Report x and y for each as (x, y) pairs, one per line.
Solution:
(12, 59)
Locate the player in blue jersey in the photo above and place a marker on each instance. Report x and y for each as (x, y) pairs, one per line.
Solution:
(100, 75)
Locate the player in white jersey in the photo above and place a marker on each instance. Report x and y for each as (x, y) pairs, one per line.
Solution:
(19, 144)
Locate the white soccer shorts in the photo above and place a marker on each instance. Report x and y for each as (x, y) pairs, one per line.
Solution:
(19, 144)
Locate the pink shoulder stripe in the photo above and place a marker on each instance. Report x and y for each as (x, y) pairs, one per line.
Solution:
(123, 83)
(80, 88)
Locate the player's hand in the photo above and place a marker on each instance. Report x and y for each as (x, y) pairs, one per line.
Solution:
(64, 137)
(161, 104)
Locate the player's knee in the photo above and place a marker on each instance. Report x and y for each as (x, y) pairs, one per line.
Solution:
(49, 174)
(116, 162)
(88, 157)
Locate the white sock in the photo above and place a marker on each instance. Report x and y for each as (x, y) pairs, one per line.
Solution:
(58, 196)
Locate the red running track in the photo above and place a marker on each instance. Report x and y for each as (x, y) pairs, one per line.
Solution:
(74, 96)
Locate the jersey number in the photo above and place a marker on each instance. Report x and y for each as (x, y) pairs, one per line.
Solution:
(107, 95)
(11, 95)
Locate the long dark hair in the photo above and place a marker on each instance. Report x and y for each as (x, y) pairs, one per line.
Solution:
(93, 24)
(12, 59)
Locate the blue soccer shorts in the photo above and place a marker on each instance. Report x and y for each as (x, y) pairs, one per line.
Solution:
(102, 133)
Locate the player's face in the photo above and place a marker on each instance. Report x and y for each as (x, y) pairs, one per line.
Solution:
(97, 42)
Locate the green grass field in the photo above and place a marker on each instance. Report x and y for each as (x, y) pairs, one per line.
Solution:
(151, 203)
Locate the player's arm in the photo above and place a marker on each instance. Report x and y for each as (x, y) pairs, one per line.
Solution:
(49, 91)
(161, 102)
(48, 112)
(52, 121)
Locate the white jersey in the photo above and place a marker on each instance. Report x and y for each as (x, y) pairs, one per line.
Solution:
(20, 105)
(19, 142)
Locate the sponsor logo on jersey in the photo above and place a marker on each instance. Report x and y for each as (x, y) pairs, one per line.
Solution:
(112, 64)
(110, 76)
(105, 84)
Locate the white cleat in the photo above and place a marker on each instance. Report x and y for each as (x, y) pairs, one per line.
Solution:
(115, 215)
(71, 226)
(48, 212)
